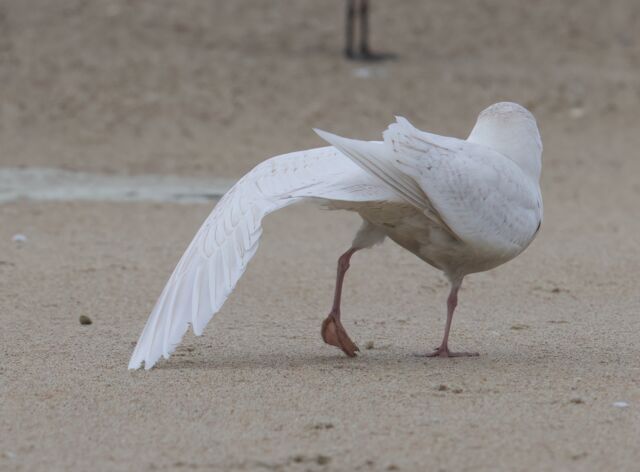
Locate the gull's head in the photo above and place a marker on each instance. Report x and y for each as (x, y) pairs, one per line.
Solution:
(511, 130)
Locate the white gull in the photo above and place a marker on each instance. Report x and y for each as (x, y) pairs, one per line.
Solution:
(463, 206)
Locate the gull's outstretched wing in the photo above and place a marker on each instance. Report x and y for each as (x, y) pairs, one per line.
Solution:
(479, 195)
(220, 251)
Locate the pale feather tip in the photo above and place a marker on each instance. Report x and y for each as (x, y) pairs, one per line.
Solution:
(333, 139)
(324, 134)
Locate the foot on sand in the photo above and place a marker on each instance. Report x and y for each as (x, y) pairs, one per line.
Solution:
(334, 333)
(443, 351)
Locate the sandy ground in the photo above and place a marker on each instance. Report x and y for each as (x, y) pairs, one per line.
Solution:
(211, 88)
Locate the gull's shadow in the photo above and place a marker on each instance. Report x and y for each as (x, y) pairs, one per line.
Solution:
(404, 360)
(267, 361)
(379, 359)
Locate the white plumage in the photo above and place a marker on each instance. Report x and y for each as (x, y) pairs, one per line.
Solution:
(463, 206)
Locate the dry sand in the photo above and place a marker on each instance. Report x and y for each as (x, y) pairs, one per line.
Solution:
(213, 87)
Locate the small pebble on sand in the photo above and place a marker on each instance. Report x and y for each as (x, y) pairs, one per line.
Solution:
(19, 238)
(362, 73)
(369, 345)
(620, 404)
(323, 426)
(577, 401)
(85, 320)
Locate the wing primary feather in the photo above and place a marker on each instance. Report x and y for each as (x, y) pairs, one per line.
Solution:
(170, 316)
(195, 297)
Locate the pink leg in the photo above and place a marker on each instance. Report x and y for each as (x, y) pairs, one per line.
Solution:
(443, 350)
(332, 330)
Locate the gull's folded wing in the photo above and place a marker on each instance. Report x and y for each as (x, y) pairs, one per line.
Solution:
(479, 195)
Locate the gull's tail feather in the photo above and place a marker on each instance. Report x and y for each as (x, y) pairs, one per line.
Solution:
(373, 157)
